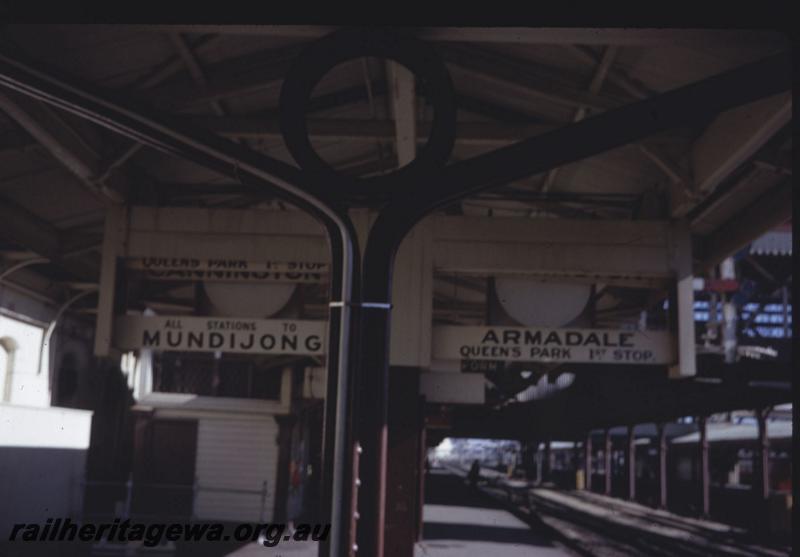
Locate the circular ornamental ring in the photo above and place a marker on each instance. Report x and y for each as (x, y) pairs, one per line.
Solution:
(348, 44)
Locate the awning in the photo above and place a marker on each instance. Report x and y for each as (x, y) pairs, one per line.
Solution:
(739, 432)
(775, 242)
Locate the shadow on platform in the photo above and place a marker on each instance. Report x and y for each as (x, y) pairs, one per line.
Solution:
(459, 520)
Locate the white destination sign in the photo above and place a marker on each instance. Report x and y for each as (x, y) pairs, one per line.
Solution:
(228, 270)
(517, 344)
(211, 334)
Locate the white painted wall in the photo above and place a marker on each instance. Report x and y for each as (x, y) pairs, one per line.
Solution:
(236, 454)
(54, 428)
(27, 386)
(42, 463)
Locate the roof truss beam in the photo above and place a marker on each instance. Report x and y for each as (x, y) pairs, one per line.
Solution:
(594, 88)
(732, 139)
(236, 76)
(59, 140)
(538, 81)
(22, 227)
(479, 133)
(512, 35)
(402, 97)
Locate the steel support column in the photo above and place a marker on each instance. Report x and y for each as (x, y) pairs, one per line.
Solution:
(587, 464)
(404, 466)
(704, 472)
(785, 311)
(548, 465)
(662, 465)
(539, 464)
(423, 456)
(761, 480)
(630, 463)
(729, 314)
(712, 327)
(285, 425)
(607, 448)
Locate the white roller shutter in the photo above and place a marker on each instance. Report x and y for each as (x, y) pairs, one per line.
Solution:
(234, 456)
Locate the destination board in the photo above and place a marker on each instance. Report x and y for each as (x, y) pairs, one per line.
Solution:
(212, 334)
(518, 344)
(228, 270)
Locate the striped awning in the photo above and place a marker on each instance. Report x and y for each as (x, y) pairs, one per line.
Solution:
(775, 242)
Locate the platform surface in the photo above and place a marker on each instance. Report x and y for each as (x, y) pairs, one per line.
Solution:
(461, 522)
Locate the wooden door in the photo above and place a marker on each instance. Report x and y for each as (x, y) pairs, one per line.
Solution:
(164, 467)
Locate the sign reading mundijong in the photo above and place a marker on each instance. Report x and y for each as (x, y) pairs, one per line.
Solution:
(211, 334)
(608, 346)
